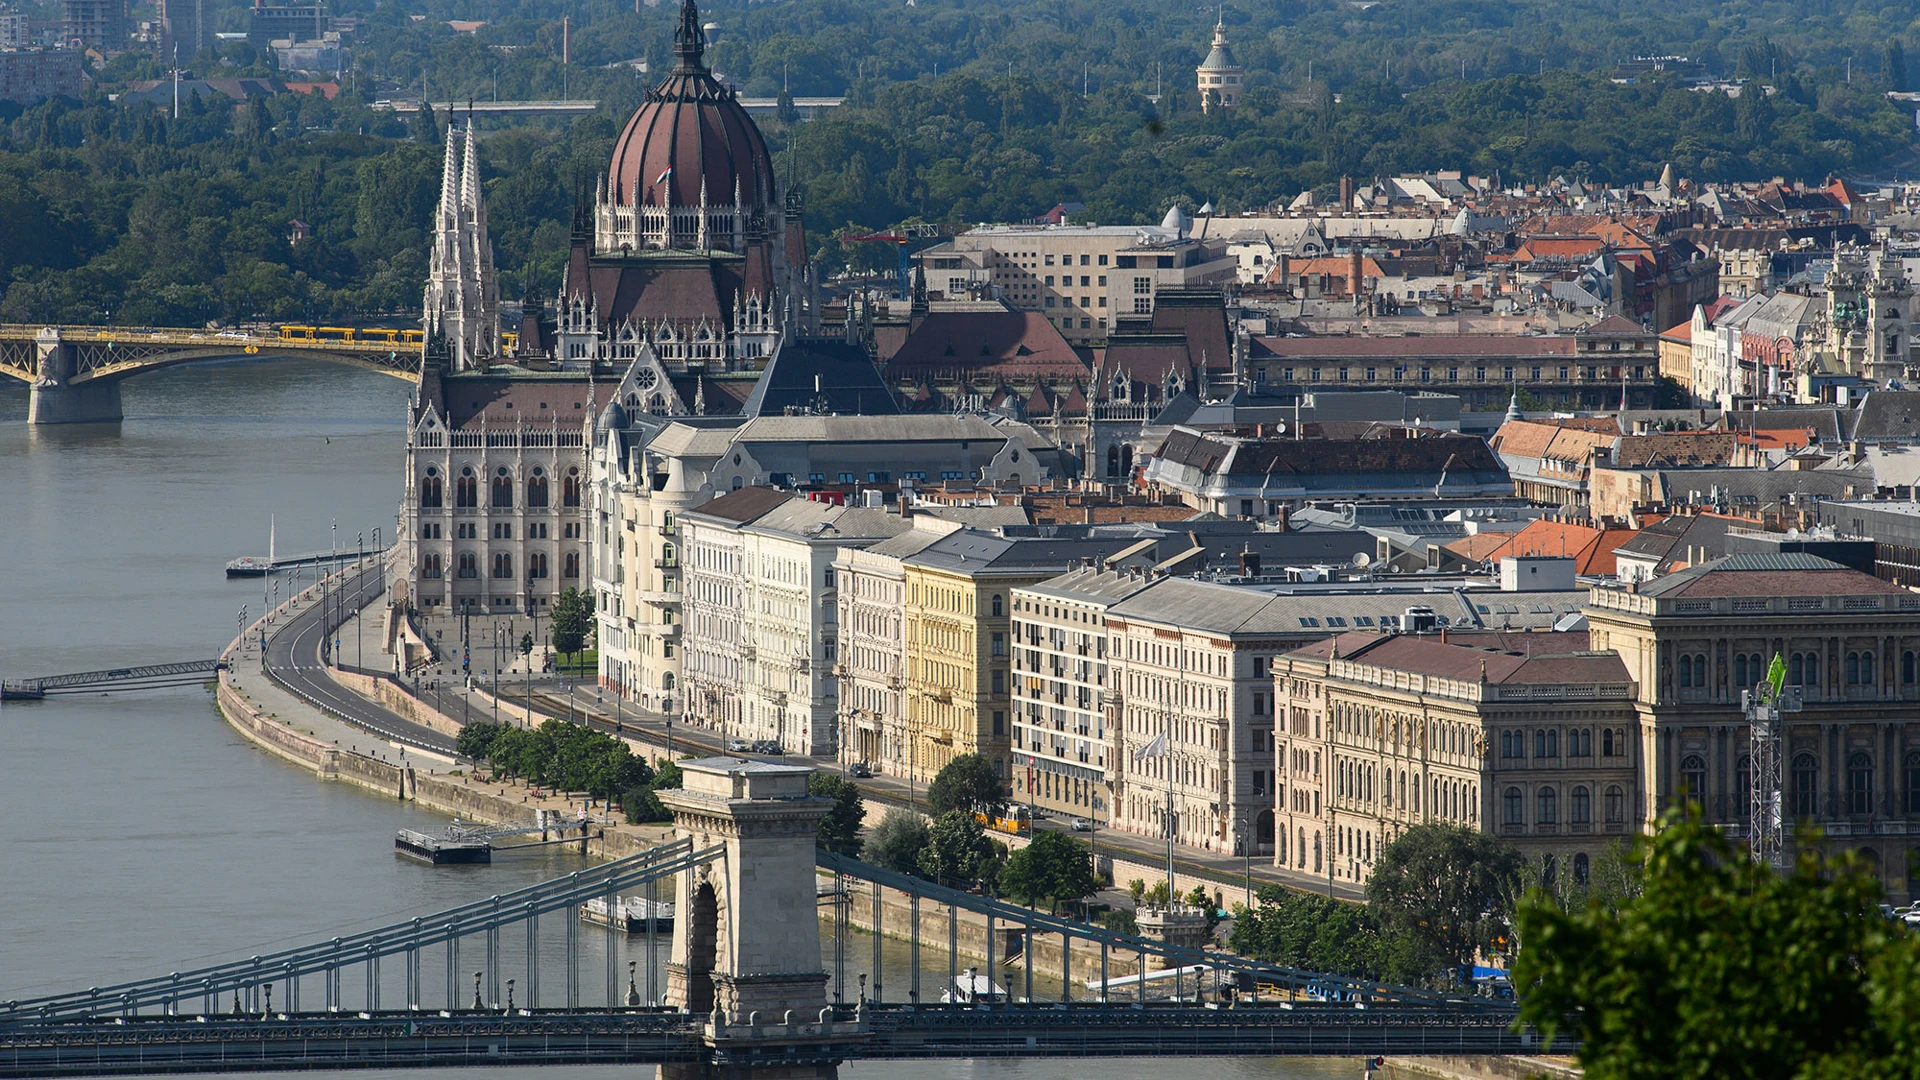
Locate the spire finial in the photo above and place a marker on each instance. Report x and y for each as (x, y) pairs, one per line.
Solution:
(688, 41)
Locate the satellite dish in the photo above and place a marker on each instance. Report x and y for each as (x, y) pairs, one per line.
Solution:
(1793, 534)
(1362, 560)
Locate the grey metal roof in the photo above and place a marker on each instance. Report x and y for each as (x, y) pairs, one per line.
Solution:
(974, 552)
(1091, 586)
(1745, 562)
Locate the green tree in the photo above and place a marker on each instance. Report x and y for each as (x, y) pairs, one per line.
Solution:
(1054, 867)
(957, 850)
(968, 783)
(897, 841)
(1721, 967)
(840, 829)
(1450, 890)
(475, 741)
(1314, 932)
(572, 620)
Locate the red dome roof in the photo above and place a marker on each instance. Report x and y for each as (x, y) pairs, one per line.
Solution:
(692, 125)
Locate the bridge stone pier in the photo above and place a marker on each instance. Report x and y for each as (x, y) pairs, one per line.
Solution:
(746, 944)
(55, 399)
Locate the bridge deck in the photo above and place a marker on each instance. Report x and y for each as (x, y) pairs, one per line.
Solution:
(181, 1044)
(150, 677)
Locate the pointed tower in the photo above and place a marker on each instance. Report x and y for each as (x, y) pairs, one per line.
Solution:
(462, 297)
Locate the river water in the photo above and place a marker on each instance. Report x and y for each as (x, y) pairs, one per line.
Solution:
(141, 834)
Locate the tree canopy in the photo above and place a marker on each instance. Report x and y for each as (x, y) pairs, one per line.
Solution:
(958, 851)
(1720, 967)
(1449, 889)
(572, 620)
(967, 783)
(1053, 867)
(895, 844)
(840, 829)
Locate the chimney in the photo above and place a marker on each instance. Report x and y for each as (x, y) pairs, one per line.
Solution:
(1285, 264)
(1354, 286)
(1249, 562)
(1346, 194)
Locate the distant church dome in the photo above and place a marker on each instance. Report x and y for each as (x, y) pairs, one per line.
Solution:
(690, 129)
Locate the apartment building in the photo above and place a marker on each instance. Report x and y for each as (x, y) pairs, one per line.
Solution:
(1525, 735)
(1081, 277)
(957, 622)
(1191, 696)
(871, 583)
(1063, 742)
(763, 615)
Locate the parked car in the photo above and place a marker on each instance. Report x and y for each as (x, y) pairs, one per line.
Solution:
(1081, 824)
(738, 746)
(862, 770)
(767, 746)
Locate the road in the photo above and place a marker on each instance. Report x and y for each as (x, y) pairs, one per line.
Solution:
(296, 662)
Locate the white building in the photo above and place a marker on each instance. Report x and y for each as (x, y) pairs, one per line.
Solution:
(871, 586)
(1190, 670)
(762, 614)
(1064, 745)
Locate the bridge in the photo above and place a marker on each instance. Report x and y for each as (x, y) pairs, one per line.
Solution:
(151, 677)
(746, 990)
(75, 371)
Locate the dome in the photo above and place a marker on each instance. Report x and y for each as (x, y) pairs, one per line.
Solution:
(690, 129)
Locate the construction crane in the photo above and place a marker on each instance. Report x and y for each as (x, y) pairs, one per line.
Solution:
(900, 236)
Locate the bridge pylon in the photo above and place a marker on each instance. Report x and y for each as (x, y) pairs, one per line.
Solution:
(746, 944)
(55, 399)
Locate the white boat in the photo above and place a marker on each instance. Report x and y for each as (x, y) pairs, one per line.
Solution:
(631, 914)
(973, 988)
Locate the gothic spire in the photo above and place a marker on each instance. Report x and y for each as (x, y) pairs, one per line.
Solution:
(449, 175)
(688, 42)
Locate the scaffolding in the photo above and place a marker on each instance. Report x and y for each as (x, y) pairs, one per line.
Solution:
(1764, 706)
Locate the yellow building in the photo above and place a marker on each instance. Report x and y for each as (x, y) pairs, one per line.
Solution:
(956, 695)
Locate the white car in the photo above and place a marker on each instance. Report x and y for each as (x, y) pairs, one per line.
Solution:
(1080, 824)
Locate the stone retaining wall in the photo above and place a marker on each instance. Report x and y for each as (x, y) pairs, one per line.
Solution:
(1478, 1068)
(390, 696)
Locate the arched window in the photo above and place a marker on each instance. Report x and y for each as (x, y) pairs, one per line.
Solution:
(537, 490)
(1616, 805)
(502, 489)
(1866, 669)
(1580, 806)
(1693, 778)
(1860, 784)
(1913, 782)
(502, 565)
(1686, 672)
(666, 681)
(570, 487)
(1581, 868)
(667, 557)
(999, 605)
(1906, 666)
(1813, 669)
(1548, 805)
(1853, 669)
(1740, 670)
(469, 566)
(1113, 460)
(430, 565)
(1806, 790)
(466, 490)
(1514, 809)
(1742, 785)
(430, 495)
(536, 565)
(1606, 742)
(571, 565)
(1796, 675)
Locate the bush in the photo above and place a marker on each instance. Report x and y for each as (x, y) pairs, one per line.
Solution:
(895, 844)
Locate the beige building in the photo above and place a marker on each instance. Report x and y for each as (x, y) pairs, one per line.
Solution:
(1220, 76)
(1524, 735)
(1081, 277)
(956, 694)
(871, 589)
(1693, 640)
(1191, 697)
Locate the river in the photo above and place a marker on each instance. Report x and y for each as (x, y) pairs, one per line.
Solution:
(143, 835)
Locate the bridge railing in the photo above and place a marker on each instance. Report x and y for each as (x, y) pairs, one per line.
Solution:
(248, 982)
(1106, 942)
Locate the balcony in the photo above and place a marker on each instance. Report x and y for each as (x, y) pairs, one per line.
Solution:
(666, 564)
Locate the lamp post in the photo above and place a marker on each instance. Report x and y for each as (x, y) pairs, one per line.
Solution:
(359, 594)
